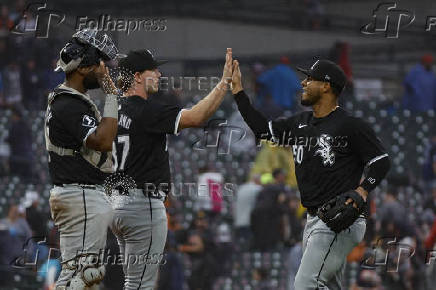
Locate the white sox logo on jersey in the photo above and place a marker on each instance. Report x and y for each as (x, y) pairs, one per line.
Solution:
(88, 121)
(325, 150)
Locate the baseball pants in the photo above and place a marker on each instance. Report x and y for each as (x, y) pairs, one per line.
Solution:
(140, 226)
(82, 214)
(324, 254)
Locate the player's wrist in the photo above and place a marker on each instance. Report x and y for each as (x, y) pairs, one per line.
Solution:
(222, 85)
(236, 89)
(111, 107)
(363, 193)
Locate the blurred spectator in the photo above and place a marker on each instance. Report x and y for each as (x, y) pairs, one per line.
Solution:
(20, 6)
(429, 167)
(430, 203)
(20, 142)
(367, 279)
(8, 251)
(391, 215)
(31, 84)
(49, 272)
(260, 275)
(315, 13)
(267, 217)
(244, 205)
(420, 86)
(293, 227)
(270, 109)
(171, 273)
(51, 78)
(36, 219)
(6, 21)
(431, 238)
(199, 247)
(12, 84)
(18, 229)
(256, 70)
(281, 83)
(2, 95)
(223, 249)
(209, 196)
(4, 53)
(271, 157)
(340, 54)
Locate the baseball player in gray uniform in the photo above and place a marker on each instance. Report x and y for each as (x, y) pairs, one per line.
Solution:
(79, 141)
(141, 154)
(331, 149)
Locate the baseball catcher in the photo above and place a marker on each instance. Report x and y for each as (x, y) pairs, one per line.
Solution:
(331, 149)
(79, 141)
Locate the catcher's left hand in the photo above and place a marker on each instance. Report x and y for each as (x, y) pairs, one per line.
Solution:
(338, 215)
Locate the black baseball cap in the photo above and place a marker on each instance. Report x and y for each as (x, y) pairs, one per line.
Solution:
(327, 71)
(139, 61)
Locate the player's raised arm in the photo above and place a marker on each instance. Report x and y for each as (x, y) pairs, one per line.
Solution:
(203, 110)
(254, 119)
(101, 139)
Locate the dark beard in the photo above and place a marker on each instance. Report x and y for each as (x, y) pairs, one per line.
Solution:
(309, 102)
(90, 82)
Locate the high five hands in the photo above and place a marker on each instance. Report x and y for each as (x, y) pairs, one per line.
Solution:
(232, 73)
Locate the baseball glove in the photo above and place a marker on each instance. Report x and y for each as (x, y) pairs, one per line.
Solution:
(337, 215)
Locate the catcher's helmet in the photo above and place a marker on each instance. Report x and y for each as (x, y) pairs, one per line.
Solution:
(87, 47)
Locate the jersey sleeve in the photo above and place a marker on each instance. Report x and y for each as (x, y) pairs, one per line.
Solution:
(365, 143)
(76, 117)
(261, 127)
(281, 128)
(160, 118)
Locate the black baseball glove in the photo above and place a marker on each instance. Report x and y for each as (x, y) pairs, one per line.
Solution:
(337, 215)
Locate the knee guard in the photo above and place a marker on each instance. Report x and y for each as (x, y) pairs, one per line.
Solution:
(88, 272)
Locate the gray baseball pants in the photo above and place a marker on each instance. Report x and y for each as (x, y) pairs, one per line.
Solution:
(325, 253)
(82, 214)
(140, 225)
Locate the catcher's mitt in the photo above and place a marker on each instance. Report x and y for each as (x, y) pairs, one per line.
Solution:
(337, 215)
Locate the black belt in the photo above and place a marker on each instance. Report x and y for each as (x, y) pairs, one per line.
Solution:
(87, 186)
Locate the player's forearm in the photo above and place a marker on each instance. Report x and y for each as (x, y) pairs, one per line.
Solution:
(377, 171)
(205, 108)
(102, 138)
(254, 119)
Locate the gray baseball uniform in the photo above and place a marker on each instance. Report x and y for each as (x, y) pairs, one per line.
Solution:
(140, 225)
(140, 222)
(324, 254)
(83, 214)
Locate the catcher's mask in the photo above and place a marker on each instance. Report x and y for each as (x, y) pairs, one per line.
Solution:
(86, 48)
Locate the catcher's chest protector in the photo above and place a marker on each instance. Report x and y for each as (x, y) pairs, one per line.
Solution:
(100, 160)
